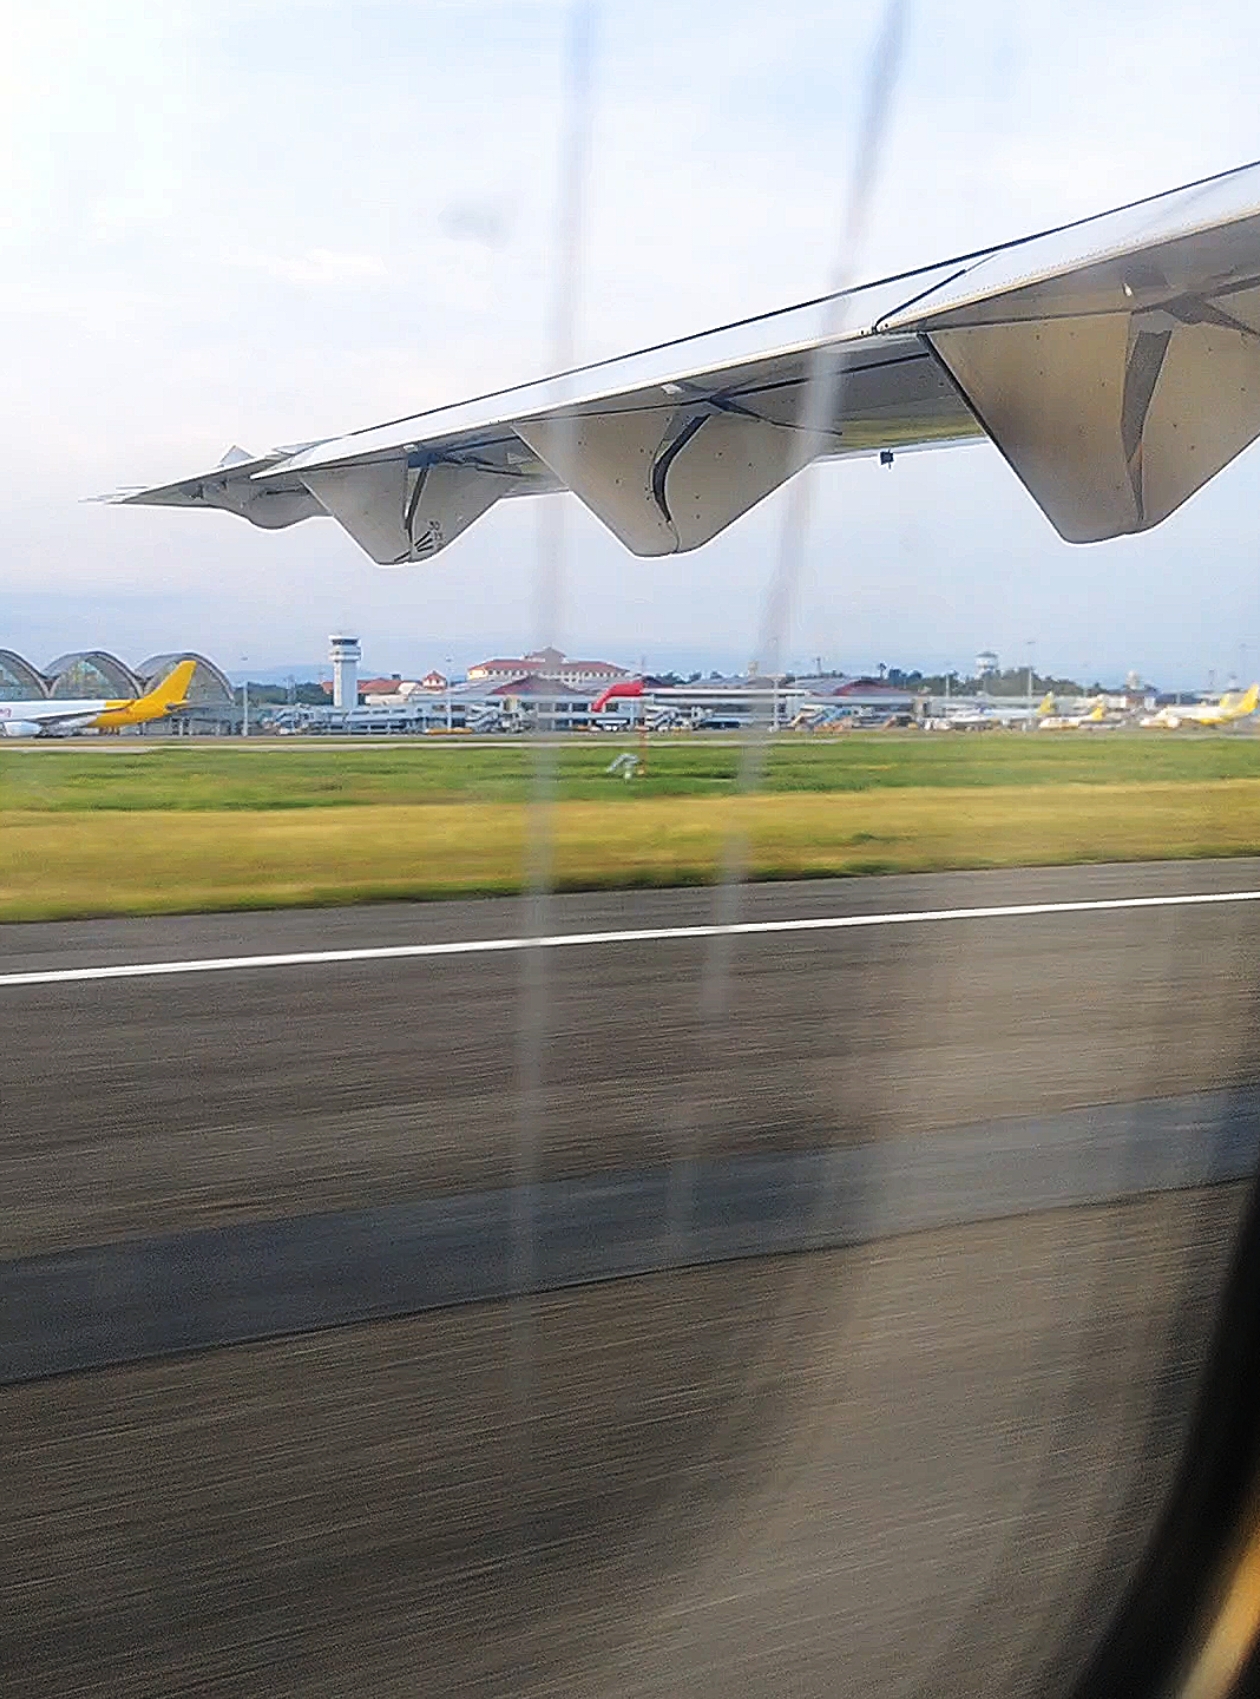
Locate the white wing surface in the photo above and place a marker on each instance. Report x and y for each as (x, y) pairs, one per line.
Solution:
(1114, 362)
(15, 717)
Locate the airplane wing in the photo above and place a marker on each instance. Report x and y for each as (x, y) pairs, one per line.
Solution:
(39, 713)
(1114, 362)
(231, 487)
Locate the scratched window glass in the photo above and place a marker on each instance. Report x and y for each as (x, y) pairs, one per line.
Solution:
(662, 1097)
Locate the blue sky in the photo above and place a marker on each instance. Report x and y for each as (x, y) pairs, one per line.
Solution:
(263, 222)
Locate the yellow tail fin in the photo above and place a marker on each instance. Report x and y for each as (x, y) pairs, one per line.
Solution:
(172, 692)
(156, 704)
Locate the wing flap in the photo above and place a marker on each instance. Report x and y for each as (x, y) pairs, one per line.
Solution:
(1205, 411)
(667, 483)
(398, 513)
(1118, 385)
(1050, 396)
(729, 465)
(1111, 421)
(608, 464)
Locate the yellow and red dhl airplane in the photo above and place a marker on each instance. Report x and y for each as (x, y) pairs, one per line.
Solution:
(1232, 706)
(46, 717)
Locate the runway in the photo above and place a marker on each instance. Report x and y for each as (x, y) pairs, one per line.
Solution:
(918, 1226)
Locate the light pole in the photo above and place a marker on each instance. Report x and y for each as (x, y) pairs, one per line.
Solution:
(245, 698)
(1031, 645)
(448, 693)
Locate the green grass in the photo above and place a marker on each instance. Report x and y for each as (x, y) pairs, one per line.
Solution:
(58, 865)
(264, 776)
(169, 829)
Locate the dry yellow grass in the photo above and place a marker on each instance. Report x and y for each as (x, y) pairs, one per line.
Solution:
(54, 865)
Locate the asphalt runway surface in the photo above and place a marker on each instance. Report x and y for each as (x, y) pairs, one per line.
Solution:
(917, 1231)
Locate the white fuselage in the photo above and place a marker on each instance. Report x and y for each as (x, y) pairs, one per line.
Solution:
(47, 714)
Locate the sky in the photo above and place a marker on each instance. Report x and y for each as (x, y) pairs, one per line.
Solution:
(261, 223)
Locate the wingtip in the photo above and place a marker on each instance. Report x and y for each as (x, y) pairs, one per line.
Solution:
(113, 498)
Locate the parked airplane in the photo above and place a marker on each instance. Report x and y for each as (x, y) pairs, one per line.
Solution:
(977, 717)
(1232, 706)
(1049, 721)
(1115, 363)
(48, 717)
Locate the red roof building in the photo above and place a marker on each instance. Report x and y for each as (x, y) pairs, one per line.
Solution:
(369, 686)
(549, 664)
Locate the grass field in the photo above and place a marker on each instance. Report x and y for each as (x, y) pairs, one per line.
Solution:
(169, 828)
(302, 774)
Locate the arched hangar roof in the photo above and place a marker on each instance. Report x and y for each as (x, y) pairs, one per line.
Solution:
(19, 680)
(209, 685)
(91, 673)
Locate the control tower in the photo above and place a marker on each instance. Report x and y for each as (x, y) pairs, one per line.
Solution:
(345, 654)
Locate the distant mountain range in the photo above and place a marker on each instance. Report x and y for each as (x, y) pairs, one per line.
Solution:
(300, 673)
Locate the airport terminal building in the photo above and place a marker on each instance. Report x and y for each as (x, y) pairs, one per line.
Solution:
(540, 691)
(95, 673)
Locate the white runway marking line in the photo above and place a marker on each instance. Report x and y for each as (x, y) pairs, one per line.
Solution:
(631, 935)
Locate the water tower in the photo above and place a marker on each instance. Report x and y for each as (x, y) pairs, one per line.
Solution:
(986, 663)
(345, 654)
